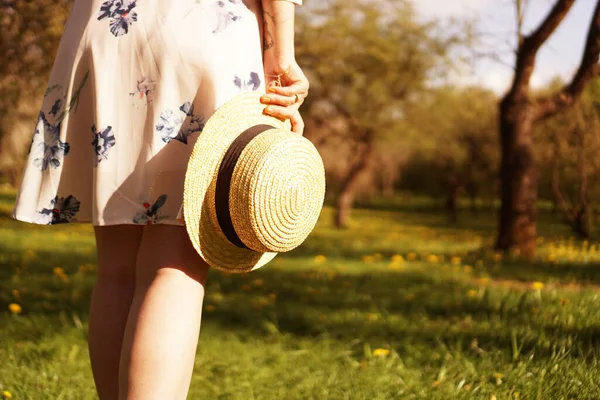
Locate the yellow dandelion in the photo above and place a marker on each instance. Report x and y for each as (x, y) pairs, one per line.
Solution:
(551, 257)
(472, 293)
(7, 395)
(377, 256)
(497, 256)
(15, 308)
(245, 287)
(209, 308)
(397, 258)
(455, 260)
(432, 258)
(436, 383)
(498, 375)
(320, 259)
(411, 256)
(483, 281)
(516, 395)
(272, 296)
(381, 352)
(372, 316)
(397, 267)
(367, 259)
(537, 285)
(468, 269)
(58, 271)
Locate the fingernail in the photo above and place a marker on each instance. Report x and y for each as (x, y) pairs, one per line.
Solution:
(265, 99)
(272, 89)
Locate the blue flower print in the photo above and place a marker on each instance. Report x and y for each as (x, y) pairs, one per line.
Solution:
(224, 16)
(179, 127)
(50, 148)
(120, 13)
(103, 142)
(62, 210)
(250, 85)
(150, 215)
(192, 124)
(169, 125)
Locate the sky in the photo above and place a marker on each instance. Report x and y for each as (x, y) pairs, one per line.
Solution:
(496, 19)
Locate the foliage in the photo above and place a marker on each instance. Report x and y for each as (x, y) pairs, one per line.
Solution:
(400, 305)
(366, 61)
(30, 32)
(454, 134)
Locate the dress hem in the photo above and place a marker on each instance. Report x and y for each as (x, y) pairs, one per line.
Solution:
(116, 222)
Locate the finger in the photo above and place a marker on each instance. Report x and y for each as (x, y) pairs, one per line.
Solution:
(279, 112)
(300, 87)
(277, 99)
(297, 123)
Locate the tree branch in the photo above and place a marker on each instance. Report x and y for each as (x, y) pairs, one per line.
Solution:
(588, 68)
(529, 46)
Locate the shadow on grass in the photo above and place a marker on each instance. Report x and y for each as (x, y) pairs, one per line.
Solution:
(404, 309)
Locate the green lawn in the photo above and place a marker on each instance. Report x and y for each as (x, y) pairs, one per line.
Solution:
(402, 305)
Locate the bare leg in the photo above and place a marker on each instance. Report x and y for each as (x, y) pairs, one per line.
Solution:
(117, 247)
(161, 337)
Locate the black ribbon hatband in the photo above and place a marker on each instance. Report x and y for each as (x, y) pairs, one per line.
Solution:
(224, 181)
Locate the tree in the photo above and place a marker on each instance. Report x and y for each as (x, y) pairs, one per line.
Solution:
(518, 114)
(30, 32)
(456, 147)
(365, 60)
(567, 149)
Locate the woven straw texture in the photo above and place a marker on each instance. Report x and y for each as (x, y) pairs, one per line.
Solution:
(277, 188)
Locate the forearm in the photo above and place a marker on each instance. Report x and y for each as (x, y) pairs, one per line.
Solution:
(278, 50)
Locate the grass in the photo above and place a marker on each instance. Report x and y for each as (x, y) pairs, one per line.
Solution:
(401, 305)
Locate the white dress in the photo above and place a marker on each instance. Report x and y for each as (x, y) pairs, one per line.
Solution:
(132, 84)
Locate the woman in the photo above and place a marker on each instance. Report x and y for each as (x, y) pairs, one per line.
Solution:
(132, 85)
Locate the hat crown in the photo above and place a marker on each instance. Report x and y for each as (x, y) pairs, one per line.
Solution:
(277, 191)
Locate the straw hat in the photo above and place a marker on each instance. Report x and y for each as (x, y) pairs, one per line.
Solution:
(253, 188)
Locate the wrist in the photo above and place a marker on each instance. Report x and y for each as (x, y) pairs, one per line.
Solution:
(278, 65)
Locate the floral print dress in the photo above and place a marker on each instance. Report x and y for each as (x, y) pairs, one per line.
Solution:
(132, 85)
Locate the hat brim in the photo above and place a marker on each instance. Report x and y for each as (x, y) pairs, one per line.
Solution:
(227, 122)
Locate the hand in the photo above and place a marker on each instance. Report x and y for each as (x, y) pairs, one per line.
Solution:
(284, 101)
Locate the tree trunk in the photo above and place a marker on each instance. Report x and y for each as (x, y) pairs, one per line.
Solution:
(581, 224)
(348, 188)
(452, 199)
(518, 212)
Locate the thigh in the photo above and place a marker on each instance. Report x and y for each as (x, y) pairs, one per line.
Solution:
(167, 248)
(117, 249)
